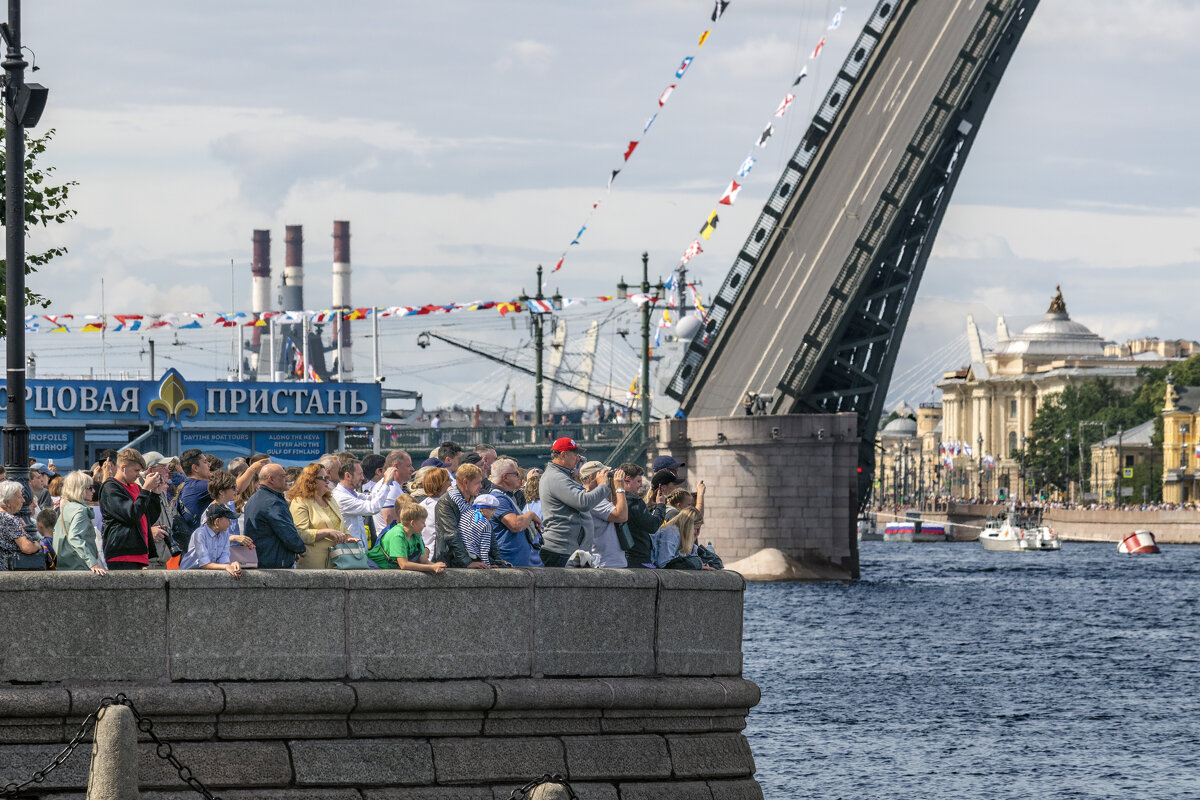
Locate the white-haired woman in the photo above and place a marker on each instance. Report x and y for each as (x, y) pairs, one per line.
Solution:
(13, 539)
(75, 533)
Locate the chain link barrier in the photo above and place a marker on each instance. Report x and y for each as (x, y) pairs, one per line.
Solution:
(162, 749)
(525, 791)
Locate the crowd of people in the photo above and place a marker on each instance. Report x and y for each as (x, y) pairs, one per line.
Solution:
(460, 508)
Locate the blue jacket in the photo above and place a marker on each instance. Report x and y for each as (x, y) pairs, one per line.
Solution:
(269, 523)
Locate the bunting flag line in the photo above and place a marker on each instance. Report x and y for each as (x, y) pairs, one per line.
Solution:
(684, 65)
(730, 194)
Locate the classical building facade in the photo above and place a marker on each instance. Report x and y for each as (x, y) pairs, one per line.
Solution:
(989, 405)
(1115, 461)
(1181, 440)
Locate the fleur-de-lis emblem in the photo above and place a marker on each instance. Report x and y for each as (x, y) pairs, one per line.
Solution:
(172, 399)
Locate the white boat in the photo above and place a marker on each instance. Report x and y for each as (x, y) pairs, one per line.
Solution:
(916, 531)
(867, 532)
(1139, 542)
(1018, 532)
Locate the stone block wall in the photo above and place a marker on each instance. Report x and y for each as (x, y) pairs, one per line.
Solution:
(787, 482)
(386, 684)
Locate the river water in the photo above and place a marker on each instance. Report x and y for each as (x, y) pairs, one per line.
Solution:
(949, 672)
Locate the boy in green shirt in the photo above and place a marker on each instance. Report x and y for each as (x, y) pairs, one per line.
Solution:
(400, 546)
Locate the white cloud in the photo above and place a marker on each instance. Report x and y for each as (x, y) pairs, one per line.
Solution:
(527, 54)
(1118, 30)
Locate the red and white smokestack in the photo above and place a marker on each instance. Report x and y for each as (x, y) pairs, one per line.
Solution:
(293, 269)
(341, 290)
(260, 289)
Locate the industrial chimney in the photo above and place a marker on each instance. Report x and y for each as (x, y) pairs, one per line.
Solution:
(341, 293)
(260, 291)
(293, 270)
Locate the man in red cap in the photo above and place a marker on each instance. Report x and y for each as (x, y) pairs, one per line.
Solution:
(566, 521)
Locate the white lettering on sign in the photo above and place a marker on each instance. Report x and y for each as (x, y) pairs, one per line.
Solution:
(87, 398)
(276, 396)
(129, 400)
(258, 401)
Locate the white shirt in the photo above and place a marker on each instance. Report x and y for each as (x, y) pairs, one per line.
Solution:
(390, 492)
(605, 547)
(429, 532)
(356, 505)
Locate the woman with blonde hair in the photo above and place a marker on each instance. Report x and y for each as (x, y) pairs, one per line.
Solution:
(75, 532)
(435, 483)
(317, 516)
(674, 545)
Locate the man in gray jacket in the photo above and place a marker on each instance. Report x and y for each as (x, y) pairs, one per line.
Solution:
(566, 521)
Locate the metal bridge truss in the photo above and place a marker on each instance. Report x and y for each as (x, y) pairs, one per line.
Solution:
(845, 361)
(785, 199)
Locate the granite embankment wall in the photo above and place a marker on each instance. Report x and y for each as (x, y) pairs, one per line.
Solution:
(1076, 525)
(386, 685)
(787, 481)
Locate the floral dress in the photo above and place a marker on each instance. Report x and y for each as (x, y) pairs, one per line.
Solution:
(11, 529)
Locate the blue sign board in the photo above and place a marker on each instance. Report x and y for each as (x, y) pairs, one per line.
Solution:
(55, 446)
(226, 445)
(174, 402)
(295, 447)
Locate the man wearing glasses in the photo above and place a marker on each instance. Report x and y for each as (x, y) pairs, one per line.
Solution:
(567, 526)
(512, 531)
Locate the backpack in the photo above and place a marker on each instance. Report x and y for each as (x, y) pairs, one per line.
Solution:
(183, 525)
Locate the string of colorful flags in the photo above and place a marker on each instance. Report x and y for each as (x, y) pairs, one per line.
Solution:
(718, 11)
(113, 323)
(729, 196)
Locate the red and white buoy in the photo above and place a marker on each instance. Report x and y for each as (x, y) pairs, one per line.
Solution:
(1138, 542)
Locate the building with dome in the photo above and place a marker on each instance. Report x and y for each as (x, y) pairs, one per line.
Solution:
(988, 406)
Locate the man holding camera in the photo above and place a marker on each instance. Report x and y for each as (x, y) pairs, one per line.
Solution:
(567, 520)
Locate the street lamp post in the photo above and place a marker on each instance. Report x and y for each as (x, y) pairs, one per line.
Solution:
(1021, 476)
(979, 464)
(1067, 473)
(537, 320)
(19, 111)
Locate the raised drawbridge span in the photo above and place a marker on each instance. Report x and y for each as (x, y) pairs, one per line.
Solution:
(812, 312)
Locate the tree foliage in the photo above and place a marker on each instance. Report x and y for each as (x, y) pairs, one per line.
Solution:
(45, 205)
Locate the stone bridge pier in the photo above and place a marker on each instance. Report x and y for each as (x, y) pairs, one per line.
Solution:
(779, 483)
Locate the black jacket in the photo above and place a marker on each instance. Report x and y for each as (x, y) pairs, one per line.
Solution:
(450, 547)
(642, 525)
(122, 528)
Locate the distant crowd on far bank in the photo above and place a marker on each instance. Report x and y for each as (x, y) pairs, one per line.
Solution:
(460, 508)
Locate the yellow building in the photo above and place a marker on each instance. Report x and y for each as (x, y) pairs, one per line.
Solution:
(908, 469)
(1180, 441)
(1114, 459)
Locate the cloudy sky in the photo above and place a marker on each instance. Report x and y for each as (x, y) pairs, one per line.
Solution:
(466, 141)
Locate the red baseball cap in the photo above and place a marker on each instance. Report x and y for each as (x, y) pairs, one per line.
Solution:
(564, 444)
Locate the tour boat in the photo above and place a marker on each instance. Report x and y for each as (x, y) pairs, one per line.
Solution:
(915, 531)
(998, 535)
(1138, 542)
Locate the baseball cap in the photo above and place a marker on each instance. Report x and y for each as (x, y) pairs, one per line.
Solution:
(563, 444)
(665, 462)
(154, 458)
(218, 511)
(433, 462)
(590, 468)
(38, 466)
(471, 458)
(486, 501)
(662, 478)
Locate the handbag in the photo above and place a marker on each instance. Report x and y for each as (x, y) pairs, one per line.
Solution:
(28, 561)
(246, 556)
(349, 555)
(624, 536)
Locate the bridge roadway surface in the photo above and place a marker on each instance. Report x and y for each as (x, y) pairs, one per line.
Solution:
(777, 311)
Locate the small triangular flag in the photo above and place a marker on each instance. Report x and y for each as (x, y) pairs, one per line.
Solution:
(731, 193)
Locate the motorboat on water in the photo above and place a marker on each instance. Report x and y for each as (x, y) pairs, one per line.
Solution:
(1019, 531)
(867, 531)
(1139, 543)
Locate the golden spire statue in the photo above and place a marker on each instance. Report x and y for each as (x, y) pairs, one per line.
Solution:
(1058, 305)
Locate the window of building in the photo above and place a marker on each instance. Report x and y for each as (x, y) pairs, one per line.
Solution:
(1129, 460)
(1012, 442)
(1012, 409)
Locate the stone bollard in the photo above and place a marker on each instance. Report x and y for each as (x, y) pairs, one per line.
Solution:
(549, 791)
(114, 771)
